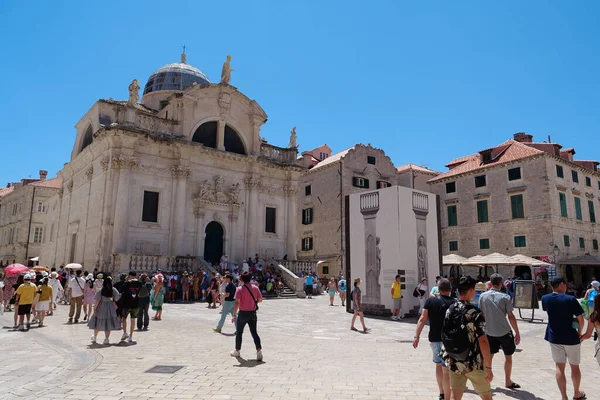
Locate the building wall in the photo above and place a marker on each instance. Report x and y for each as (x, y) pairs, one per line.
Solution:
(571, 226)
(501, 228)
(22, 247)
(329, 185)
(414, 179)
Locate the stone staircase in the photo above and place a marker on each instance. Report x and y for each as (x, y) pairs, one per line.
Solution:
(286, 293)
(377, 310)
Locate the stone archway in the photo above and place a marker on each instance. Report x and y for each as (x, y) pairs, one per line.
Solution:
(213, 242)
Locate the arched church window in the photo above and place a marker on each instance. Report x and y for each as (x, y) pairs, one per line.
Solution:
(206, 134)
(88, 138)
(233, 142)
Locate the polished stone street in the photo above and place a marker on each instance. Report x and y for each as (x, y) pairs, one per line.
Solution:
(309, 353)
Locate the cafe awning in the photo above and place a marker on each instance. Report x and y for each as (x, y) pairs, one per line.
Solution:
(586, 260)
(453, 259)
(520, 259)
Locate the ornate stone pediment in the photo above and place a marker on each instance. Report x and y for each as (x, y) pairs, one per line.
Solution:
(218, 194)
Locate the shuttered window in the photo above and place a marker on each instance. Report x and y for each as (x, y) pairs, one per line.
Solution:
(482, 211)
(516, 205)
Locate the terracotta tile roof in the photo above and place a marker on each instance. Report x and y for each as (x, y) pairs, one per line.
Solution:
(55, 183)
(5, 191)
(332, 159)
(415, 167)
(512, 151)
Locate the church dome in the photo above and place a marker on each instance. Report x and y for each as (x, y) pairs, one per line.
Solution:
(176, 76)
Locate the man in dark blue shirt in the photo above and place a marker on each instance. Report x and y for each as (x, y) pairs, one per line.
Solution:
(229, 301)
(565, 340)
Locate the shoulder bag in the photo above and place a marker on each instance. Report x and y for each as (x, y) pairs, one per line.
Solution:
(253, 298)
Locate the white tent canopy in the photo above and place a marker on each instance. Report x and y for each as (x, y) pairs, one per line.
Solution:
(453, 259)
(520, 259)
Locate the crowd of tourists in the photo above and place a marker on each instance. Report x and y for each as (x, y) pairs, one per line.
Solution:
(464, 337)
(124, 305)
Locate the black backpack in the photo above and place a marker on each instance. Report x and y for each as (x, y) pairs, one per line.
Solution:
(144, 292)
(455, 334)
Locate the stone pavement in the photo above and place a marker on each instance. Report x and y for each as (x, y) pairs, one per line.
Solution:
(309, 352)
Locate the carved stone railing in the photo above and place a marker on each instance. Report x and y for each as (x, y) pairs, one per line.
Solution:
(124, 262)
(279, 154)
(300, 267)
(291, 280)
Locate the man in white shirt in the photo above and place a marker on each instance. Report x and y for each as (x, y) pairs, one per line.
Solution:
(75, 288)
(245, 267)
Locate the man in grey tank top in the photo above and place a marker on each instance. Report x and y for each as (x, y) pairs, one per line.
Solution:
(496, 307)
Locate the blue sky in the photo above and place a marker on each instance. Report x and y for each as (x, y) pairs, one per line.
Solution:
(425, 81)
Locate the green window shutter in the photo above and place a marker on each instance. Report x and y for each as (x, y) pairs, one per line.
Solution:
(453, 245)
(567, 241)
(581, 243)
(592, 211)
(520, 241)
(595, 244)
(563, 205)
(559, 171)
(484, 244)
(516, 205)
(482, 211)
(452, 216)
(578, 213)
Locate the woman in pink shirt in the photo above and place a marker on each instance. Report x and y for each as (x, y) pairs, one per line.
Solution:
(247, 298)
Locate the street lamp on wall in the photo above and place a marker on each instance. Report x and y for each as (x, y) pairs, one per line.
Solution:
(556, 251)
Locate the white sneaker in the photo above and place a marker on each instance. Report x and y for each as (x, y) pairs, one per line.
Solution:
(124, 337)
(93, 339)
(235, 353)
(106, 341)
(259, 356)
(130, 339)
(394, 318)
(21, 327)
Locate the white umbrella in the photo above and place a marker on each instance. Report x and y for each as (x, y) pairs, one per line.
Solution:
(73, 266)
(34, 259)
(530, 261)
(453, 259)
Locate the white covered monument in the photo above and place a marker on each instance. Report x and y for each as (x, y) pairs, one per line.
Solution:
(181, 177)
(392, 231)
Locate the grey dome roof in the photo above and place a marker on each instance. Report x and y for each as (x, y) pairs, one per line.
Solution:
(176, 76)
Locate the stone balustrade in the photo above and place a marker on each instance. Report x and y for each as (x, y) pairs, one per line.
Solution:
(300, 267)
(124, 262)
(291, 280)
(279, 154)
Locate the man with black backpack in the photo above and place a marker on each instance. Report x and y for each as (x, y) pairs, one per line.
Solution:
(435, 310)
(466, 350)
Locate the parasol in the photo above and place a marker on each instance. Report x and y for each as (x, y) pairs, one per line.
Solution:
(41, 269)
(15, 269)
(73, 266)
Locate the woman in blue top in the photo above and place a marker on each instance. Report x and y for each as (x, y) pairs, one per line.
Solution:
(591, 294)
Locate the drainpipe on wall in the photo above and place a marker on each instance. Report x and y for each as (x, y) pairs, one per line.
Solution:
(29, 228)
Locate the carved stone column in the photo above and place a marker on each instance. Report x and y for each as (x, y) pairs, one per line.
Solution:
(369, 206)
(292, 221)
(178, 207)
(421, 209)
(200, 236)
(121, 216)
(252, 230)
(232, 255)
(221, 134)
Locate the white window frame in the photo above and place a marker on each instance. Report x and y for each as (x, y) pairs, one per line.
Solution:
(38, 235)
(360, 182)
(306, 243)
(41, 207)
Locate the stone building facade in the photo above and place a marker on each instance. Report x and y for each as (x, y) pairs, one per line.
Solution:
(23, 215)
(321, 195)
(415, 176)
(185, 173)
(522, 197)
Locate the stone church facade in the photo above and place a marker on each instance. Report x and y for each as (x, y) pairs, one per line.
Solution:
(183, 173)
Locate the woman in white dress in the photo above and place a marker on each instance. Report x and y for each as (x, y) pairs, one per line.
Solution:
(57, 290)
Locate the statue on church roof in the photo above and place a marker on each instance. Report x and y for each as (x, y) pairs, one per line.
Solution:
(134, 96)
(292, 144)
(226, 71)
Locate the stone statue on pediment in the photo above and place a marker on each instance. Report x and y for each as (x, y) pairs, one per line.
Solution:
(226, 71)
(292, 144)
(134, 96)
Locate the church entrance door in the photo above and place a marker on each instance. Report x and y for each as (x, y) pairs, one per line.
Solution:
(213, 243)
